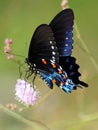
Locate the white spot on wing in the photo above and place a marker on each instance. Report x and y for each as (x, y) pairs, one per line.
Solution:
(53, 53)
(50, 42)
(52, 47)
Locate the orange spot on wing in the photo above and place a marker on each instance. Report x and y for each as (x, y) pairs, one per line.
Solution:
(53, 65)
(44, 61)
(59, 71)
(61, 83)
(53, 81)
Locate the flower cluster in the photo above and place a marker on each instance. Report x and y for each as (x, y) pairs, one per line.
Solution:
(26, 93)
(7, 48)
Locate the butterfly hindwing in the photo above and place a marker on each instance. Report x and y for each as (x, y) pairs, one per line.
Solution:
(57, 76)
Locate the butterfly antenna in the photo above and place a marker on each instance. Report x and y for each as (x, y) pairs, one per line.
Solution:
(18, 55)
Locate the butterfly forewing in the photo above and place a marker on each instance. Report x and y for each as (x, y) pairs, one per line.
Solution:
(43, 45)
(62, 26)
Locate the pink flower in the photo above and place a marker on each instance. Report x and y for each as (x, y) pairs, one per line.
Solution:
(10, 56)
(7, 48)
(8, 41)
(25, 92)
(64, 4)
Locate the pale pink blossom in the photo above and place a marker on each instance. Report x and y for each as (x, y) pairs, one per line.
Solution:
(64, 4)
(25, 92)
(10, 56)
(8, 41)
(7, 49)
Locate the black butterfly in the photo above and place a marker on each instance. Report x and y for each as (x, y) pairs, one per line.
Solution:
(50, 51)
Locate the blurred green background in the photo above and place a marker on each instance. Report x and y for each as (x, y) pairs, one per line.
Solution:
(59, 111)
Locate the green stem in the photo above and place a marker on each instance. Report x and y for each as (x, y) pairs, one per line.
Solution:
(36, 125)
(85, 47)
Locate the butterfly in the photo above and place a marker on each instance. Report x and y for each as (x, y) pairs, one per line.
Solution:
(50, 51)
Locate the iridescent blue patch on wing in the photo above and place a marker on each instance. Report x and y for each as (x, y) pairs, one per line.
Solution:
(62, 26)
(67, 85)
(47, 78)
(66, 50)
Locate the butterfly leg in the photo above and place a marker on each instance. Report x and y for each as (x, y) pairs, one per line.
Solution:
(20, 72)
(35, 74)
